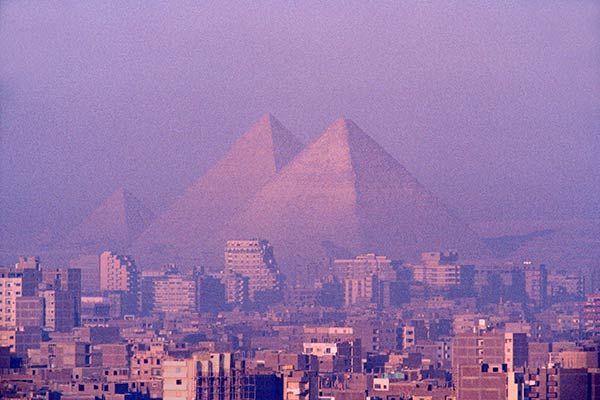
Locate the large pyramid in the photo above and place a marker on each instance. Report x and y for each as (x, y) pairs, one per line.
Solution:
(344, 191)
(113, 225)
(186, 231)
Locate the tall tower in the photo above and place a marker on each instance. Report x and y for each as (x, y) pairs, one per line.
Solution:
(251, 263)
(11, 288)
(61, 290)
(119, 273)
(536, 283)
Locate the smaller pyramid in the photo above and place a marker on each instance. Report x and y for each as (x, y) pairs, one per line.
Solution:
(114, 224)
(186, 230)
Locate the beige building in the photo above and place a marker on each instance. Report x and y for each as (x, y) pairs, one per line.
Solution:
(536, 282)
(364, 265)
(438, 269)
(179, 379)
(11, 288)
(249, 262)
(8, 338)
(119, 273)
(361, 277)
(29, 262)
(336, 357)
(204, 375)
(300, 385)
(236, 288)
(174, 293)
(147, 359)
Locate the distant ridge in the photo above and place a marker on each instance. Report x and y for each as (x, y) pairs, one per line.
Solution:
(113, 225)
(187, 229)
(346, 191)
(503, 246)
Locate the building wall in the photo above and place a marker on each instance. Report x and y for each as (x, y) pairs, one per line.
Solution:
(252, 260)
(179, 379)
(119, 273)
(11, 287)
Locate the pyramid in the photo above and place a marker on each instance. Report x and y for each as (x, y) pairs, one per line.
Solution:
(186, 231)
(113, 225)
(345, 191)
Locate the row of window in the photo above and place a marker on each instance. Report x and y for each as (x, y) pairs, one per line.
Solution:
(9, 284)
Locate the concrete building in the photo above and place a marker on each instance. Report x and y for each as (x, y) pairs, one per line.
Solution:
(217, 373)
(179, 379)
(11, 288)
(147, 360)
(375, 334)
(482, 382)
(439, 270)
(90, 272)
(364, 265)
(327, 334)
(413, 334)
(236, 288)
(20, 340)
(362, 276)
(516, 350)
(481, 362)
(28, 262)
(536, 283)
(336, 357)
(59, 312)
(175, 294)
(591, 316)
(119, 273)
(61, 291)
(30, 311)
(215, 376)
(62, 354)
(210, 293)
(578, 359)
(300, 385)
(557, 383)
(473, 349)
(250, 263)
(360, 291)
(168, 292)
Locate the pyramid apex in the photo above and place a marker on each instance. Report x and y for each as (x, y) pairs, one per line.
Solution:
(345, 123)
(267, 119)
(268, 115)
(266, 123)
(122, 195)
(345, 128)
(121, 191)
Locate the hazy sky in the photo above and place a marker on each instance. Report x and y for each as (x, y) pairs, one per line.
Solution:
(492, 105)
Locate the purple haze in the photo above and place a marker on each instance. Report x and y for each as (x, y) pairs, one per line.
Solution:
(494, 107)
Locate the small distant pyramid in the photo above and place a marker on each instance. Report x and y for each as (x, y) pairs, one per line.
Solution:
(345, 191)
(113, 225)
(188, 227)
